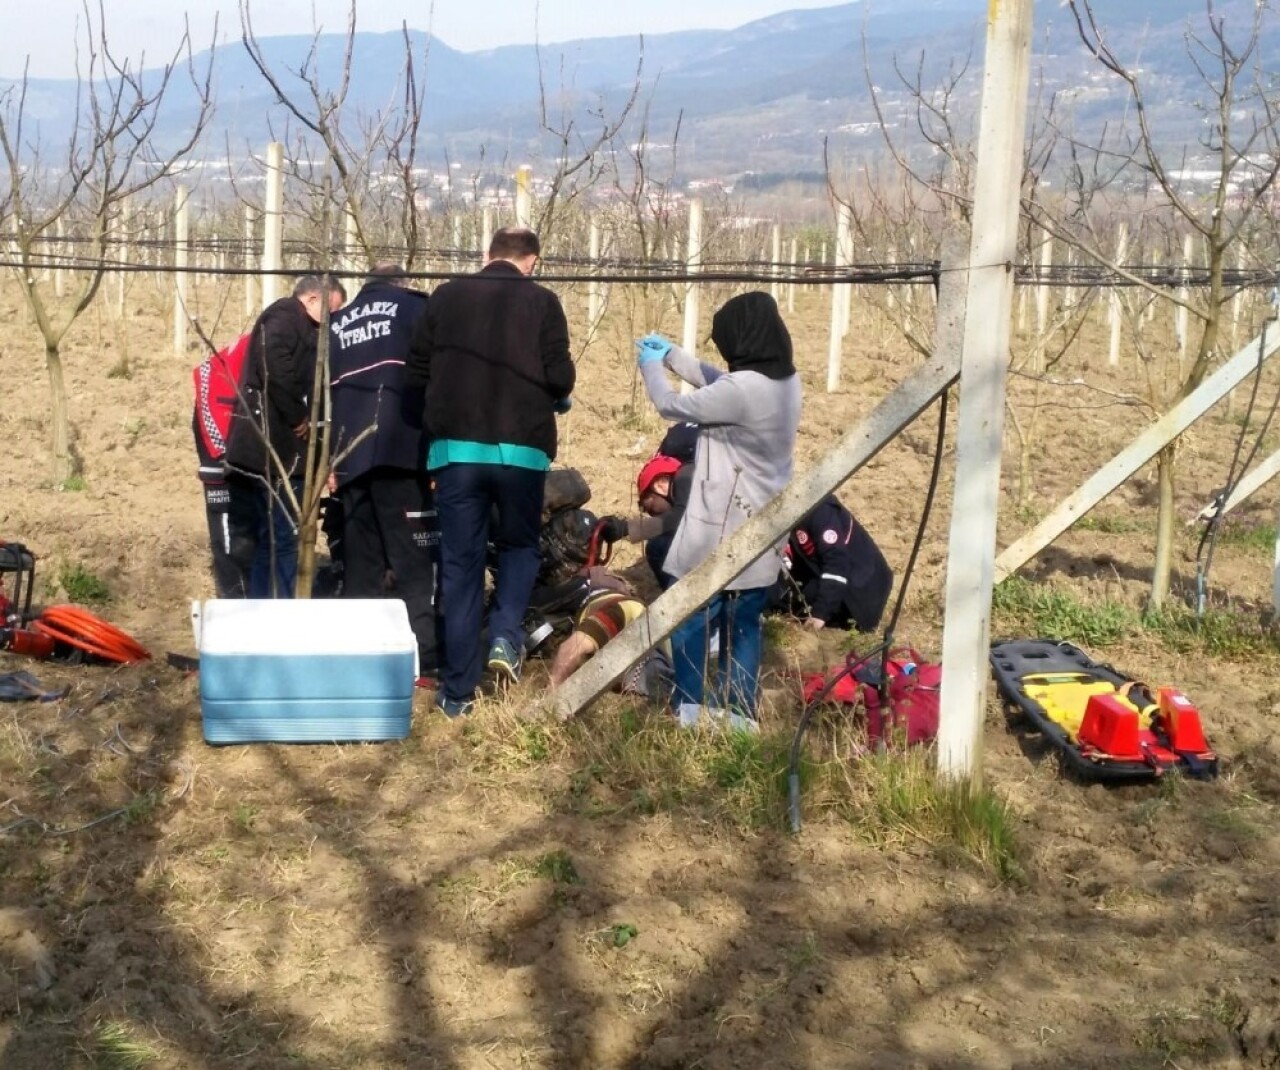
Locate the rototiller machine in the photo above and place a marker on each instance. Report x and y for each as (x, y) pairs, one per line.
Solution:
(67, 632)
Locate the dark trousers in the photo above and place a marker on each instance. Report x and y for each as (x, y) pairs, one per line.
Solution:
(389, 525)
(247, 532)
(231, 513)
(465, 496)
(655, 553)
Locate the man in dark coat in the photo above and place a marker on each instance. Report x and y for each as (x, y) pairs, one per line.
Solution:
(274, 410)
(836, 576)
(389, 521)
(492, 353)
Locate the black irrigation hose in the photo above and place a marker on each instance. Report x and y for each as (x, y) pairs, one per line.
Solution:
(852, 661)
(1209, 538)
(632, 270)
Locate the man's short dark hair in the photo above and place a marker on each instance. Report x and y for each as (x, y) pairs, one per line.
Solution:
(318, 284)
(386, 271)
(514, 243)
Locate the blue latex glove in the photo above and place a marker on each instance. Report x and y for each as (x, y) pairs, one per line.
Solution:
(652, 347)
(562, 406)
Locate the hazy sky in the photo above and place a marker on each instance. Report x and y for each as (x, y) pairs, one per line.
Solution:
(45, 30)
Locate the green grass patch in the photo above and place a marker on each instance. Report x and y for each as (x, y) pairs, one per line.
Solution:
(557, 867)
(1253, 538)
(244, 817)
(631, 763)
(897, 797)
(1222, 633)
(74, 483)
(1020, 606)
(82, 586)
(114, 1047)
(636, 763)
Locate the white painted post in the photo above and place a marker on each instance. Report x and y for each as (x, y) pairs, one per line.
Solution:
(839, 290)
(1122, 251)
(350, 244)
(1238, 300)
(455, 242)
(273, 224)
(791, 286)
(1154, 438)
(524, 202)
(1275, 571)
(593, 287)
(994, 246)
(486, 230)
(693, 263)
(846, 258)
(1042, 291)
(59, 255)
(1184, 295)
(1151, 305)
(890, 290)
(123, 245)
(776, 260)
(181, 261)
(250, 290)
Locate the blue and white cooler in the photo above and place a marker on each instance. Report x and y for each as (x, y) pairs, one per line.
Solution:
(305, 671)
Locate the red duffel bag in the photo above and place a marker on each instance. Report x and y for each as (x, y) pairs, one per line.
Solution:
(913, 699)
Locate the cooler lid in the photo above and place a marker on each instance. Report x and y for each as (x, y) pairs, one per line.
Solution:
(337, 626)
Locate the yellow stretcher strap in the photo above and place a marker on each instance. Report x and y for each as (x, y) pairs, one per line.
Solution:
(1064, 696)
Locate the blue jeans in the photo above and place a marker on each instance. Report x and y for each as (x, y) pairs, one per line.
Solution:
(250, 532)
(466, 495)
(738, 615)
(277, 537)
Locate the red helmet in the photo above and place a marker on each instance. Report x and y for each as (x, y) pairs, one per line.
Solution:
(659, 465)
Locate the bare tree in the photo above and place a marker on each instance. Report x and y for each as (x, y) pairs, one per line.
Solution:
(1239, 143)
(361, 166)
(112, 155)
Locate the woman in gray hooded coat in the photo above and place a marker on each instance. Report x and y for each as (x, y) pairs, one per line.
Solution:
(744, 457)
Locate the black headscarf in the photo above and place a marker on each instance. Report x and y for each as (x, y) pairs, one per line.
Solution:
(751, 336)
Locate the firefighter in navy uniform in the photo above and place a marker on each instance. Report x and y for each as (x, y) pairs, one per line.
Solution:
(836, 576)
(389, 532)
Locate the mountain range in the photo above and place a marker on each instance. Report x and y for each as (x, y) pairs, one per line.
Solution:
(761, 98)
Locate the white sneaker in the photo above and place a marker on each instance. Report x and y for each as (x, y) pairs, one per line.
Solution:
(691, 715)
(688, 714)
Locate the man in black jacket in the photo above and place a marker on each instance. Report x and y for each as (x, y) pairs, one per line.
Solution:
(388, 517)
(836, 575)
(274, 410)
(492, 353)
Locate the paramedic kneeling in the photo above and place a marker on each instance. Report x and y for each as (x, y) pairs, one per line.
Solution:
(834, 574)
